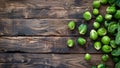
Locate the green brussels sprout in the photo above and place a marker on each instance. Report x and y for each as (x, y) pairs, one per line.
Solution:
(117, 38)
(102, 31)
(70, 43)
(87, 15)
(106, 23)
(112, 27)
(96, 4)
(106, 49)
(117, 14)
(103, 1)
(105, 57)
(93, 34)
(87, 57)
(96, 25)
(71, 25)
(108, 16)
(82, 29)
(116, 52)
(97, 45)
(94, 67)
(112, 43)
(99, 18)
(116, 59)
(101, 65)
(105, 40)
(95, 11)
(81, 41)
(111, 9)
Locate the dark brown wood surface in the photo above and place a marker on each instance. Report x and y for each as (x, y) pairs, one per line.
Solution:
(24, 60)
(33, 34)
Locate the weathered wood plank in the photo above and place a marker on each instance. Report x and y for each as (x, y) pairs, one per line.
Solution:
(26, 44)
(45, 9)
(49, 60)
(54, 27)
(43, 45)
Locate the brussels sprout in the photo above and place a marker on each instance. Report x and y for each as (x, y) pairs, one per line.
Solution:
(93, 35)
(116, 59)
(103, 1)
(117, 14)
(106, 23)
(99, 18)
(96, 25)
(87, 15)
(117, 65)
(94, 67)
(95, 11)
(82, 29)
(112, 27)
(71, 25)
(105, 40)
(97, 45)
(102, 31)
(81, 41)
(87, 57)
(117, 38)
(111, 1)
(101, 65)
(116, 52)
(106, 49)
(105, 57)
(70, 43)
(108, 17)
(112, 43)
(111, 9)
(96, 4)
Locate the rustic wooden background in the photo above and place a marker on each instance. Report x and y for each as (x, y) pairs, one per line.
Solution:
(34, 34)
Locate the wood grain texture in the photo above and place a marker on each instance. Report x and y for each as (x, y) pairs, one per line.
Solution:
(53, 9)
(46, 27)
(22, 60)
(44, 45)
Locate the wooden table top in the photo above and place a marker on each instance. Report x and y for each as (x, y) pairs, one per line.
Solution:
(34, 34)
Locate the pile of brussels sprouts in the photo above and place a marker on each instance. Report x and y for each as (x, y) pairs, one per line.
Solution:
(105, 32)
